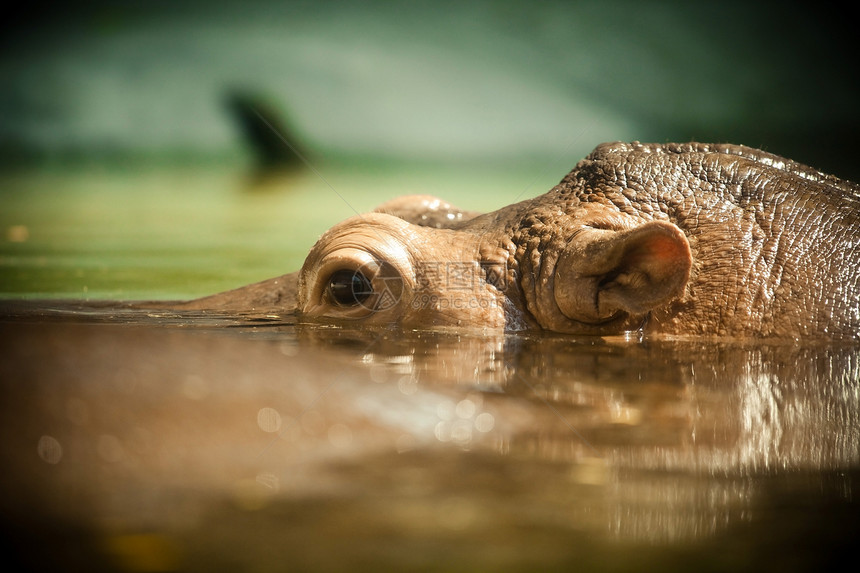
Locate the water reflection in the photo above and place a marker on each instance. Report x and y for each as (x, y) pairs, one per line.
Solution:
(678, 434)
(197, 427)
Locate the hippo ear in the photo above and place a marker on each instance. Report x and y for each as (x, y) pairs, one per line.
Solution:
(601, 273)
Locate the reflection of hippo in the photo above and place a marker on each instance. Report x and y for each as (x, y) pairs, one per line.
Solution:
(676, 238)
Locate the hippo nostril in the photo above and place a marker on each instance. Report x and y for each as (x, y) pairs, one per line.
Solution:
(349, 288)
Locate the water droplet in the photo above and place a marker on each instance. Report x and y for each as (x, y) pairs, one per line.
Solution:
(50, 450)
(442, 431)
(484, 422)
(269, 420)
(465, 409)
(461, 432)
(269, 481)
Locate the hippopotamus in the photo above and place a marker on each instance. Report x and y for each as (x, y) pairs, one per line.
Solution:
(674, 239)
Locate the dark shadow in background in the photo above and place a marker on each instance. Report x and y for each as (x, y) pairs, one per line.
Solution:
(769, 75)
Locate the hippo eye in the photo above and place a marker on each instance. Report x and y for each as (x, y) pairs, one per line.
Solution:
(349, 288)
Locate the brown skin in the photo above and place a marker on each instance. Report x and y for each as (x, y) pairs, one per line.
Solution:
(697, 239)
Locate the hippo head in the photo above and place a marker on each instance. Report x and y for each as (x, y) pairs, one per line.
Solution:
(420, 262)
(686, 238)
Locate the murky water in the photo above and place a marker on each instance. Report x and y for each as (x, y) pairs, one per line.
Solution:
(157, 440)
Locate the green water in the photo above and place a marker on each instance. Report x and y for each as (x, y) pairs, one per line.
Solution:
(180, 232)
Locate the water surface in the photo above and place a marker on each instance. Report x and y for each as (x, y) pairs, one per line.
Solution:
(153, 439)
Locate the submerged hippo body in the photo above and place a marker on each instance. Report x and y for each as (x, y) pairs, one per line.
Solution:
(677, 238)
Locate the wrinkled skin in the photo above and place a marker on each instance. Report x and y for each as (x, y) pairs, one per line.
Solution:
(698, 239)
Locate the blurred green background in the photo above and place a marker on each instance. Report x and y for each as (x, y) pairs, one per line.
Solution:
(128, 169)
